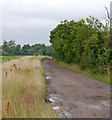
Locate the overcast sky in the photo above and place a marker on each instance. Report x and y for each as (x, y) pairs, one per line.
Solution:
(30, 21)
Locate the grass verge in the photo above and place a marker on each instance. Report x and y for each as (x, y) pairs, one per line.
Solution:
(101, 77)
(8, 58)
(24, 89)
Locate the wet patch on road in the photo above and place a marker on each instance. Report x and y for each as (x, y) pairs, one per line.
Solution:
(54, 98)
(102, 98)
(48, 78)
(104, 87)
(68, 85)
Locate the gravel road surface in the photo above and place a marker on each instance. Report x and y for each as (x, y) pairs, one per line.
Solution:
(75, 95)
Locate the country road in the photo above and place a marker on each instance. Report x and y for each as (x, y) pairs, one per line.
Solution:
(76, 95)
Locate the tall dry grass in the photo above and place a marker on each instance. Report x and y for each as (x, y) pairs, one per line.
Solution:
(24, 90)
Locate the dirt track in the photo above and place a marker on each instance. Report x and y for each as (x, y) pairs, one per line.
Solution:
(76, 92)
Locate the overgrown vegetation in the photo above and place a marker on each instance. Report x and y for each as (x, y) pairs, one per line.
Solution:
(11, 49)
(24, 89)
(85, 43)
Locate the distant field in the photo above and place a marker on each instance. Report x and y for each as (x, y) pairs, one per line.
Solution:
(24, 89)
(8, 58)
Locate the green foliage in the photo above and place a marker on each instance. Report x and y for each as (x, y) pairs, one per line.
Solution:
(85, 43)
(0, 50)
(11, 49)
(25, 49)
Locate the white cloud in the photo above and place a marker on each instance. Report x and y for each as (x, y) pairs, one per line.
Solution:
(31, 20)
(0, 23)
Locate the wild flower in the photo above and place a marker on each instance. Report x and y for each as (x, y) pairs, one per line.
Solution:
(6, 73)
(8, 107)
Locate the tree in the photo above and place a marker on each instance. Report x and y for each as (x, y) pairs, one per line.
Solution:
(0, 50)
(82, 42)
(25, 49)
(17, 50)
(8, 48)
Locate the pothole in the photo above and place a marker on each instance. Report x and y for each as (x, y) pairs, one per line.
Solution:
(48, 78)
(67, 85)
(54, 98)
(102, 97)
(63, 108)
(104, 87)
(56, 108)
(60, 108)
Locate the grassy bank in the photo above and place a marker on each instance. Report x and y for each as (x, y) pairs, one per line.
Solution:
(101, 77)
(8, 58)
(24, 89)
